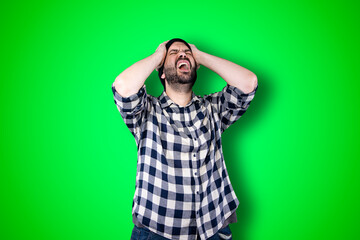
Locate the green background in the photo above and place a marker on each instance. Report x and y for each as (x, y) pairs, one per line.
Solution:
(68, 162)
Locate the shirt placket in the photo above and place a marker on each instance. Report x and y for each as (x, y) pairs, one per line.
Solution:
(195, 163)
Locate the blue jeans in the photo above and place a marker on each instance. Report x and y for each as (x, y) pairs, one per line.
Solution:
(146, 234)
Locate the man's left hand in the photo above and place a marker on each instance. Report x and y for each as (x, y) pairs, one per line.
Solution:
(196, 54)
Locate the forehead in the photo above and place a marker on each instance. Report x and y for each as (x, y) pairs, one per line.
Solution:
(178, 46)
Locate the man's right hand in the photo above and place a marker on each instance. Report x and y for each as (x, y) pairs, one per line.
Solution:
(161, 51)
(133, 78)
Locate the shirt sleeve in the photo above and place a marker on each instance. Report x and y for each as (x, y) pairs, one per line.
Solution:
(230, 104)
(132, 109)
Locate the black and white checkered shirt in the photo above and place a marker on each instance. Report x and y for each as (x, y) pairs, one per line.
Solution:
(182, 185)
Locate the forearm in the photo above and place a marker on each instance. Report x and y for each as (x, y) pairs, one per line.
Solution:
(232, 73)
(133, 78)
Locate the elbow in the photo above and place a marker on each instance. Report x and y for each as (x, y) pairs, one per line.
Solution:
(120, 87)
(251, 83)
(126, 86)
(254, 82)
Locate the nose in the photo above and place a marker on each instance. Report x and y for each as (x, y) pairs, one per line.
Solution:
(182, 54)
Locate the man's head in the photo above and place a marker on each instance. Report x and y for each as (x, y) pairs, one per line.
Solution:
(179, 67)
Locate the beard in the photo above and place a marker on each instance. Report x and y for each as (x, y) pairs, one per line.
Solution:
(175, 79)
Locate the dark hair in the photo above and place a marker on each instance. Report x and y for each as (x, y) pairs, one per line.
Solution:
(168, 44)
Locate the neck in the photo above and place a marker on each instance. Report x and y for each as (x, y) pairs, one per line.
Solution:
(180, 94)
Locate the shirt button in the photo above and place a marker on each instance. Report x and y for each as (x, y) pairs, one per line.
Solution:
(197, 212)
(194, 155)
(195, 139)
(197, 192)
(195, 173)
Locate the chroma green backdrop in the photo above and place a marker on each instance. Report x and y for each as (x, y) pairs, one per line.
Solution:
(68, 162)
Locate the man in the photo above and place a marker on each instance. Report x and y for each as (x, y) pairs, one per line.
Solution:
(182, 186)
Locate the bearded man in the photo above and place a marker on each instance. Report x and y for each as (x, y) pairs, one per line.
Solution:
(182, 188)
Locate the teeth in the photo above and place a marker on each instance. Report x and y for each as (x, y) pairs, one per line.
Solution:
(183, 63)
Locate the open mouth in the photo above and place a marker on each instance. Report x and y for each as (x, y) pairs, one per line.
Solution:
(183, 66)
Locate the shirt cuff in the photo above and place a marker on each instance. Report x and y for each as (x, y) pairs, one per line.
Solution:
(131, 103)
(239, 92)
(236, 98)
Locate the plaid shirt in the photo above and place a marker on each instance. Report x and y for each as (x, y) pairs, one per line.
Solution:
(182, 185)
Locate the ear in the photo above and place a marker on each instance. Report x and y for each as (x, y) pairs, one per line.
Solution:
(163, 76)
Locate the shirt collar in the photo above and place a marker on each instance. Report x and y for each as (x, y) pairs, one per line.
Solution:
(165, 100)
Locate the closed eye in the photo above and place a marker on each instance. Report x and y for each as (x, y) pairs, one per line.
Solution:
(173, 51)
